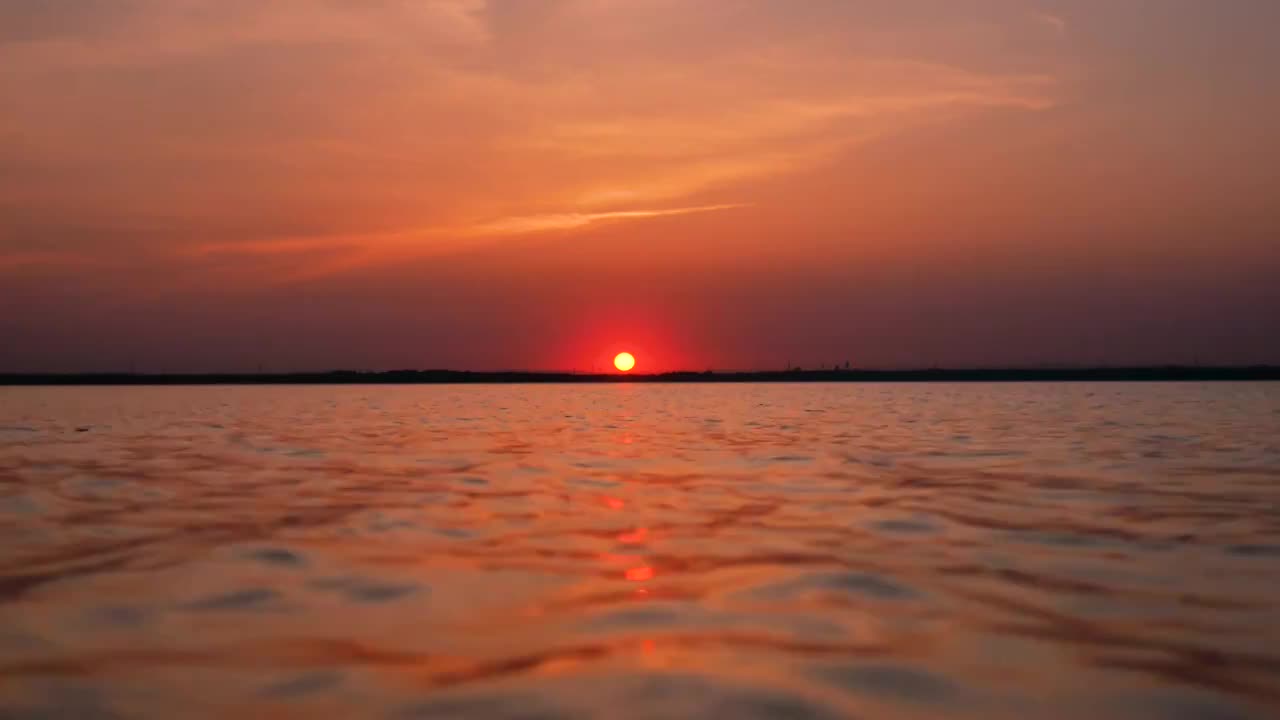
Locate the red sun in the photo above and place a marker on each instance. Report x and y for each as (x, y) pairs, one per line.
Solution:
(624, 361)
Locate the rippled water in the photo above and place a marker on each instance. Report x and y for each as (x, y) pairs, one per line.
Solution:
(641, 551)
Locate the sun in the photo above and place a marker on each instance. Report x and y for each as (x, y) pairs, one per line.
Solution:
(624, 361)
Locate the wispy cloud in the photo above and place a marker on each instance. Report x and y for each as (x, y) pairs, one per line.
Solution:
(780, 126)
(427, 239)
(1057, 22)
(569, 221)
(424, 115)
(328, 254)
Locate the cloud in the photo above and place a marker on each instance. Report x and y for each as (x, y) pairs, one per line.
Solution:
(420, 240)
(349, 117)
(1057, 22)
(570, 221)
(785, 114)
(326, 255)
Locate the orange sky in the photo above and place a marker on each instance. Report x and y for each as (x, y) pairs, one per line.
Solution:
(223, 184)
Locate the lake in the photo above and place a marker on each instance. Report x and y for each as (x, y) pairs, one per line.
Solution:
(641, 551)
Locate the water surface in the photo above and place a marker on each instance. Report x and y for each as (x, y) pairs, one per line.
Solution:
(647, 551)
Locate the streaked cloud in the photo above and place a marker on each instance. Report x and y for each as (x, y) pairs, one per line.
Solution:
(1057, 22)
(361, 116)
(570, 221)
(328, 254)
(523, 225)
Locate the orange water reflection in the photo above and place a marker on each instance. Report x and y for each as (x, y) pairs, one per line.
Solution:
(635, 537)
(639, 574)
(786, 551)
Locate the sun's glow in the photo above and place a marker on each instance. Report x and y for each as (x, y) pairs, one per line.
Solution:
(624, 361)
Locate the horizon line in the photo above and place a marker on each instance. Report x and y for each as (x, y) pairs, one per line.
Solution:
(1170, 372)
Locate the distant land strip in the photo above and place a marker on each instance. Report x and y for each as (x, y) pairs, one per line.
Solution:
(462, 377)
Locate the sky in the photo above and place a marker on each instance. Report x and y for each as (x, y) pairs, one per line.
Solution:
(228, 185)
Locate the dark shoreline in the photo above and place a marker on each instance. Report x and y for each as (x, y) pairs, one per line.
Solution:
(462, 377)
